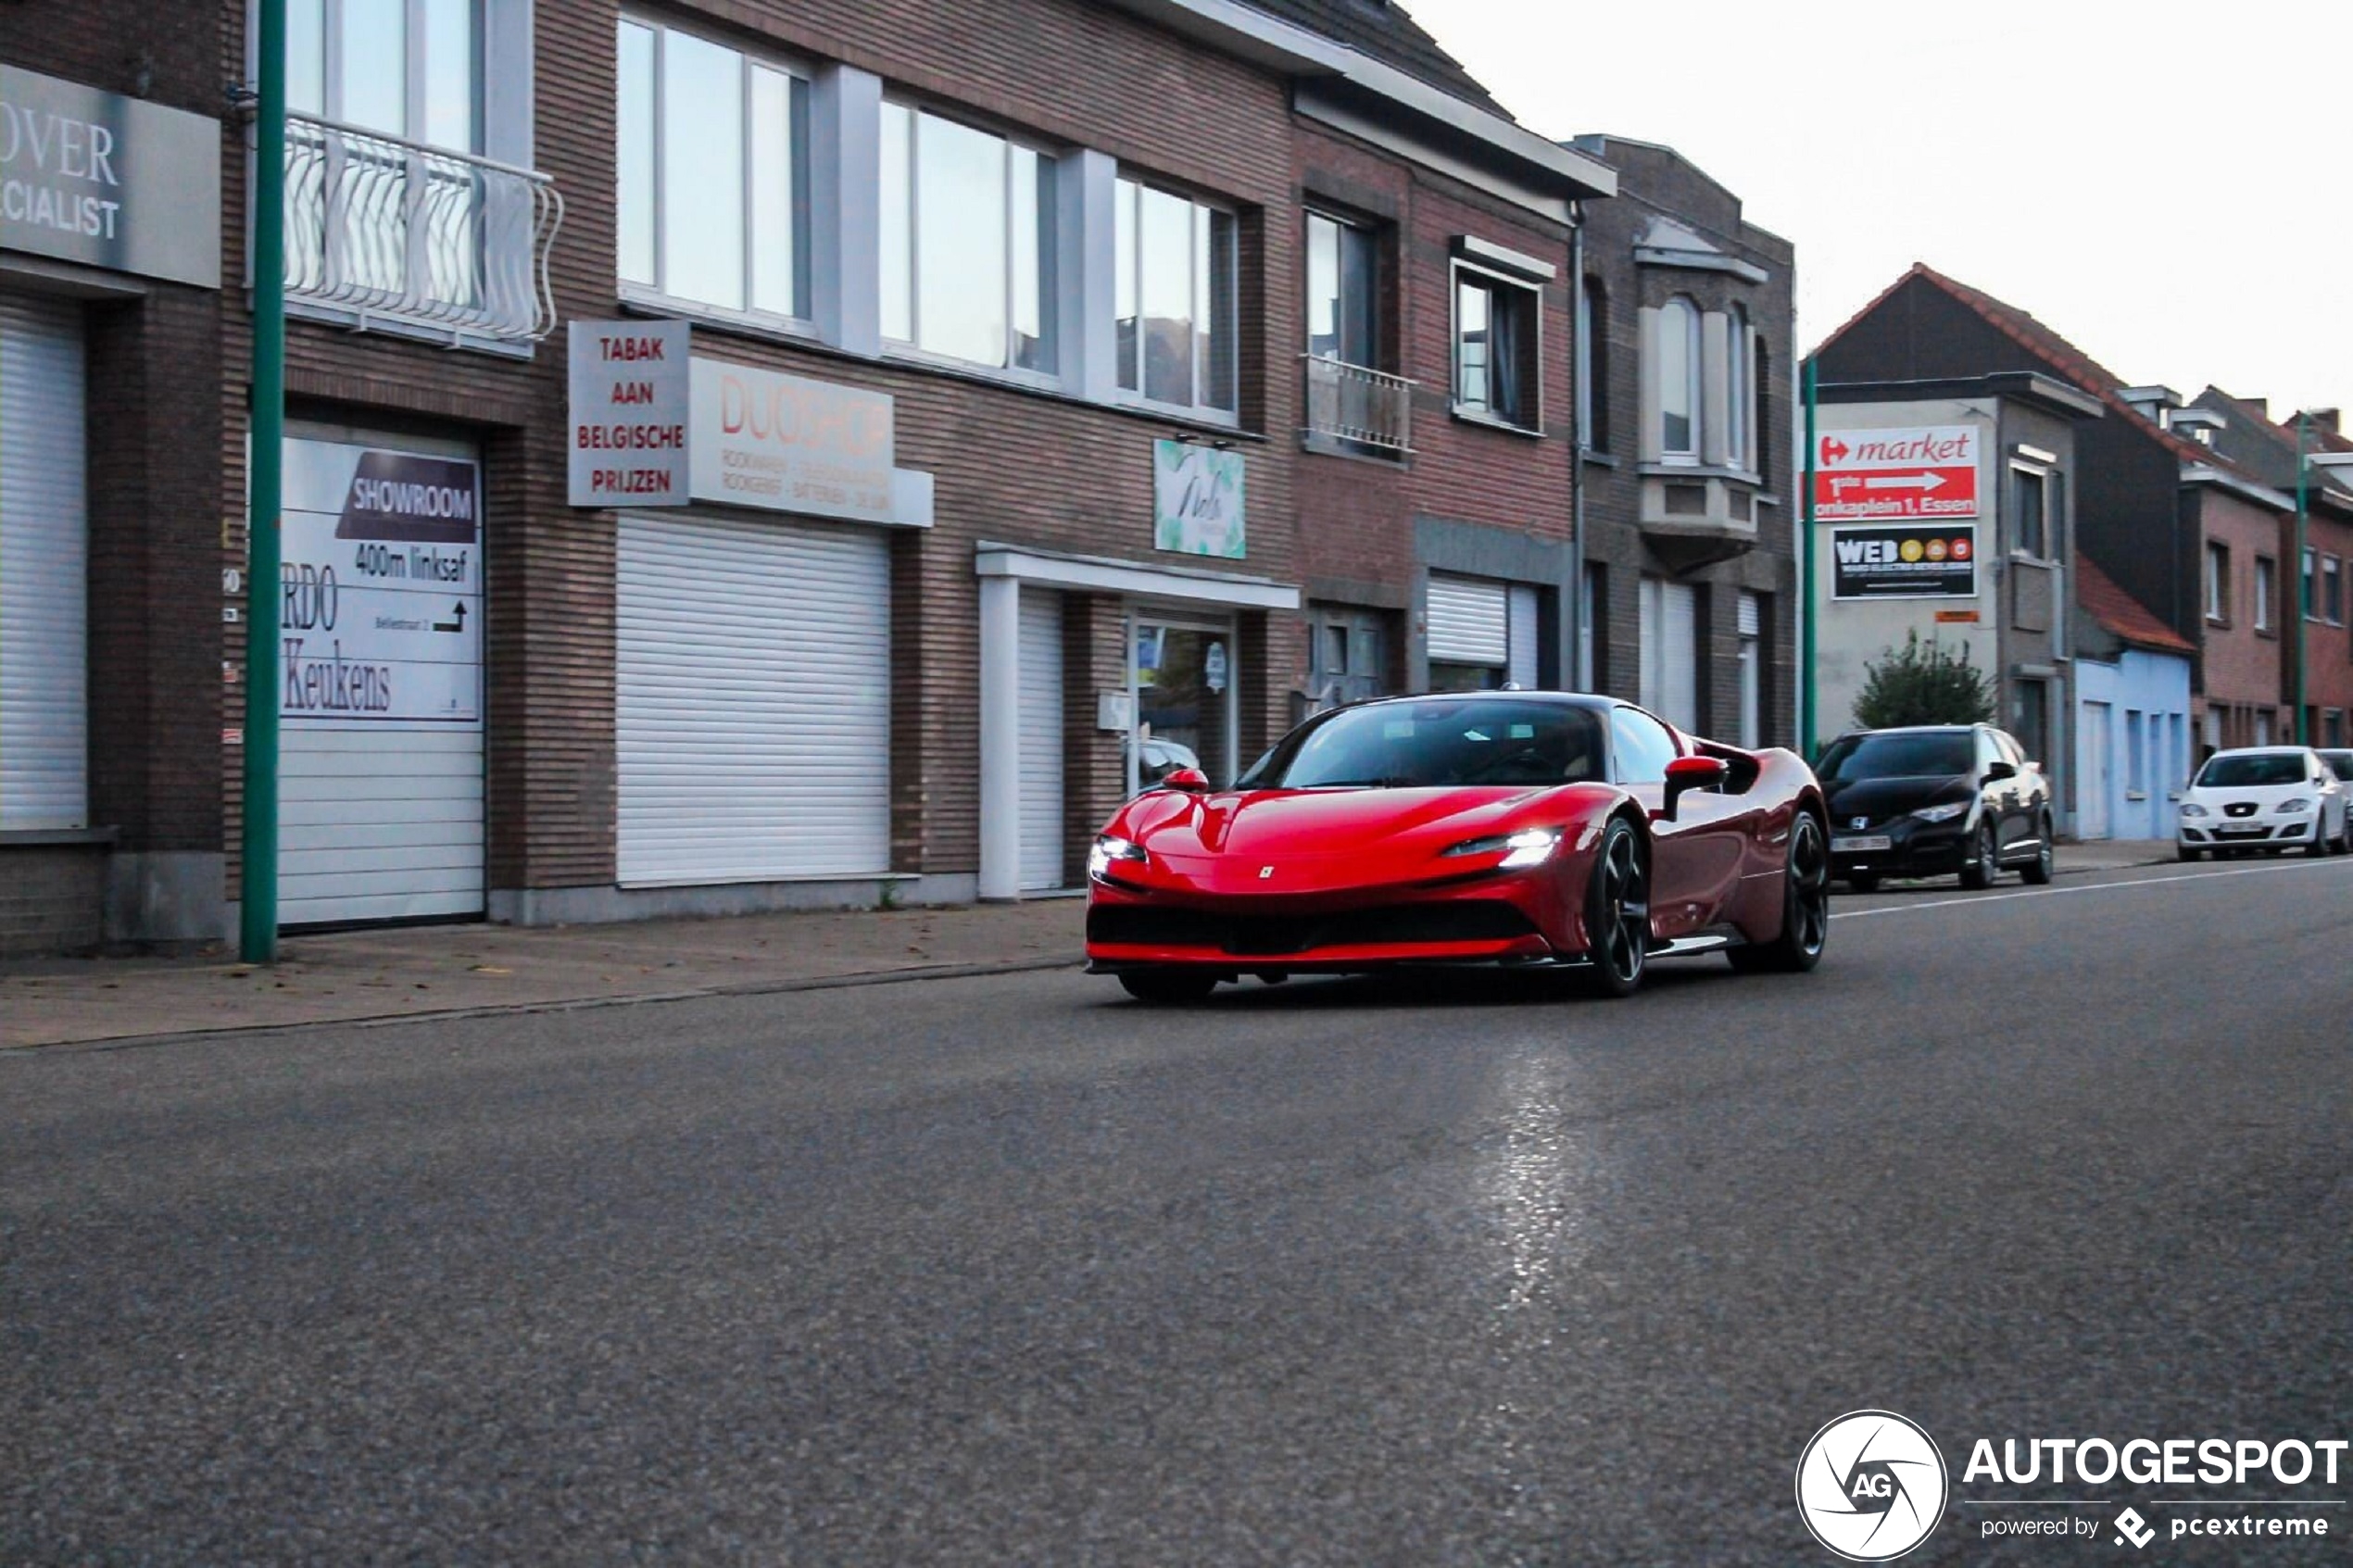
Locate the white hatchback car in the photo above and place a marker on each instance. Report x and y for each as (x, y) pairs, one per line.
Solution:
(2271, 799)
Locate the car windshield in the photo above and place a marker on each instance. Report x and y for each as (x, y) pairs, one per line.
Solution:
(2251, 769)
(2340, 764)
(1427, 745)
(1894, 755)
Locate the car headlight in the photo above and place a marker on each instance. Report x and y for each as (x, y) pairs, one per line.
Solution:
(1531, 847)
(2287, 807)
(1108, 849)
(2192, 808)
(1943, 813)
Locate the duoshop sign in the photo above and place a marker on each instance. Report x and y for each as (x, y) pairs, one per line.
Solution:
(760, 438)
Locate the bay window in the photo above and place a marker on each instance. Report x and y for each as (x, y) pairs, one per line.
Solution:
(713, 203)
(1177, 338)
(1737, 389)
(967, 242)
(1496, 348)
(1679, 380)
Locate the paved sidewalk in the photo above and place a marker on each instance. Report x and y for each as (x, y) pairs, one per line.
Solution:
(419, 971)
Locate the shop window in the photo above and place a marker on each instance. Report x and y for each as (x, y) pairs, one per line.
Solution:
(967, 242)
(2218, 582)
(1496, 349)
(1177, 340)
(713, 203)
(1679, 381)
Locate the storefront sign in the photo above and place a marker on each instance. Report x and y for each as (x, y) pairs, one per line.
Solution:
(1919, 561)
(380, 603)
(629, 411)
(107, 180)
(1893, 474)
(1197, 500)
(758, 438)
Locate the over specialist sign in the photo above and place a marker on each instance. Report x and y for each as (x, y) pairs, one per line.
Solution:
(380, 602)
(1197, 500)
(787, 444)
(630, 405)
(1926, 472)
(107, 180)
(1905, 561)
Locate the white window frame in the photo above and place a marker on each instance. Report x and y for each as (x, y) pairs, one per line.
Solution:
(2265, 590)
(1050, 300)
(1197, 410)
(2021, 475)
(2218, 582)
(413, 86)
(1694, 359)
(1737, 412)
(1532, 419)
(654, 295)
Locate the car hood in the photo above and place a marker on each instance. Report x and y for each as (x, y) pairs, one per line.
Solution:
(1328, 839)
(2215, 797)
(1879, 799)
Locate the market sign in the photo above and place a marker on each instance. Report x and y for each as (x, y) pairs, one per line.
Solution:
(108, 180)
(1197, 500)
(1916, 561)
(629, 411)
(1918, 473)
(787, 444)
(380, 596)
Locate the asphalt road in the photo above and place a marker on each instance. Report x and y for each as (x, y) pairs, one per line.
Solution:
(1008, 1270)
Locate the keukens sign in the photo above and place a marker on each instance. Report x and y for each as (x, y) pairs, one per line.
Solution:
(1895, 475)
(760, 438)
(629, 410)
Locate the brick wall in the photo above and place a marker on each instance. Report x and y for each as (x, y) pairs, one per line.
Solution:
(51, 899)
(2242, 666)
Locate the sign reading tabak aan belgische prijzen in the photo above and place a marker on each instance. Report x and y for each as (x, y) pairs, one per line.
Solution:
(630, 401)
(1197, 500)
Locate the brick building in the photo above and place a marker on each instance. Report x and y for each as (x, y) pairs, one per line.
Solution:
(1688, 563)
(1049, 415)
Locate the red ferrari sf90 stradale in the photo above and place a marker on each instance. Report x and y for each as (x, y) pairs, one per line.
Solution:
(1506, 828)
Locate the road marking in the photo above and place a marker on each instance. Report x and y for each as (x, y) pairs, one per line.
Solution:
(2094, 888)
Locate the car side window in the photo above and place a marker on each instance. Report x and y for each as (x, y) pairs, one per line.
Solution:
(1642, 745)
(2012, 753)
(1989, 751)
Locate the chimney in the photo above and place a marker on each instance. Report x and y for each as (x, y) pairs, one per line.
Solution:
(2152, 403)
(2323, 419)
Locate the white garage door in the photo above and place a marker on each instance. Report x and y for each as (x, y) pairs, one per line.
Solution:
(1041, 739)
(753, 701)
(43, 547)
(1670, 652)
(380, 700)
(1469, 621)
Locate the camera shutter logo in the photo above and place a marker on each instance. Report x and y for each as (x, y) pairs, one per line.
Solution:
(1872, 1485)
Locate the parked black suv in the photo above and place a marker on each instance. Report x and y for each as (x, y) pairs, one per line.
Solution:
(1933, 800)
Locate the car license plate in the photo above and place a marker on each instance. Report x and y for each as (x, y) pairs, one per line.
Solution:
(2237, 829)
(1857, 845)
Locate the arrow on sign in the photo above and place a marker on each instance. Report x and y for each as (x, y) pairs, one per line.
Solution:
(1907, 482)
(457, 625)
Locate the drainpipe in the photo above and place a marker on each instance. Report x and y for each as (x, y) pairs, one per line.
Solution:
(1580, 357)
(258, 893)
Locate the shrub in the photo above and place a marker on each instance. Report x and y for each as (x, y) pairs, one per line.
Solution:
(1923, 684)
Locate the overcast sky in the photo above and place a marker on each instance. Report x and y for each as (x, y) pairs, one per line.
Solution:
(2165, 184)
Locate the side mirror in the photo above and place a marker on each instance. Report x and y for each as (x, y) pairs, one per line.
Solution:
(2001, 770)
(1192, 781)
(1687, 773)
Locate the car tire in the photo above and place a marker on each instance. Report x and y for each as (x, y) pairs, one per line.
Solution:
(2184, 852)
(1618, 919)
(2319, 845)
(1984, 862)
(1806, 908)
(1863, 882)
(2037, 872)
(1167, 987)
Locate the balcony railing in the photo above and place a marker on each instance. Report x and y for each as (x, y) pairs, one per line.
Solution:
(1363, 407)
(395, 232)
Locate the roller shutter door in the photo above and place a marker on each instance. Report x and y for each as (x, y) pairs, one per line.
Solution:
(1670, 646)
(1041, 739)
(753, 701)
(1524, 668)
(43, 554)
(1469, 621)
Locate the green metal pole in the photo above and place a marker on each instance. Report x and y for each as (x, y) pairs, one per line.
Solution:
(258, 907)
(2303, 583)
(1809, 728)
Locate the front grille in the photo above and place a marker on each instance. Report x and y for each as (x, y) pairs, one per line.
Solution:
(2240, 809)
(1462, 919)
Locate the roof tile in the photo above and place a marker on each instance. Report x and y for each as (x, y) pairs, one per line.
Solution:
(2122, 615)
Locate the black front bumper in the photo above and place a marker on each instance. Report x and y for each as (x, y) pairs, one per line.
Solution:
(1915, 848)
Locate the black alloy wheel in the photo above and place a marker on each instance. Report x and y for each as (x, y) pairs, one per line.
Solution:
(1618, 911)
(1167, 987)
(1806, 908)
(2186, 853)
(1985, 858)
(2037, 872)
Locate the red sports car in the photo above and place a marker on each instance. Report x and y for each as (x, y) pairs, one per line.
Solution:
(1506, 828)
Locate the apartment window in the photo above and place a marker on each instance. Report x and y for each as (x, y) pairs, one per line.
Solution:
(2136, 753)
(1177, 325)
(2218, 580)
(1761, 372)
(1736, 390)
(2265, 585)
(2332, 591)
(713, 203)
(967, 242)
(2305, 595)
(1593, 366)
(1496, 348)
(412, 70)
(1679, 380)
(2029, 531)
(1343, 302)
